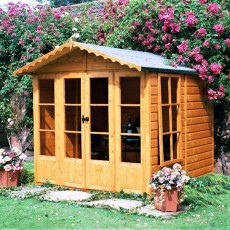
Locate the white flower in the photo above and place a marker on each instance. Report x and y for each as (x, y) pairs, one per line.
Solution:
(10, 122)
(8, 168)
(23, 157)
(1, 160)
(76, 35)
(2, 151)
(76, 20)
(6, 159)
(74, 29)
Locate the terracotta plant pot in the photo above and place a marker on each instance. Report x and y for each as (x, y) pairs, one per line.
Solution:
(8, 179)
(167, 200)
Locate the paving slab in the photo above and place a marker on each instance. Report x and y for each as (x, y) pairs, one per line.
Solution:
(27, 191)
(67, 195)
(149, 210)
(116, 204)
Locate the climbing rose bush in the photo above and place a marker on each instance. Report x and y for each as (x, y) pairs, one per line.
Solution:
(194, 33)
(27, 33)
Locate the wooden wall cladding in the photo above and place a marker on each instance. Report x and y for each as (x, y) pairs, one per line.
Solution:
(154, 160)
(199, 129)
(80, 61)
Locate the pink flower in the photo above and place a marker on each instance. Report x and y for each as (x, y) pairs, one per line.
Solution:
(204, 63)
(221, 88)
(23, 58)
(8, 168)
(216, 68)
(173, 64)
(202, 1)
(213, 8)
(183, 47)
(168, 46)
(57, 16)
(227, 42)
(175, 28)
(210, 79)
(198, 57)
(219, 29)
(206, 44)
(202, 70)
(136, 24)
(21, 42)
(167, 38)
(177, 166)
(217, 46)
(156, 49)
(229, 76)
(190, 19)
(201, 32)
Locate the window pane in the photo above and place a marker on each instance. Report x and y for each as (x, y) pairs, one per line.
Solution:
(175, 145)
(99, 147)
(99, 90)
(165, 118)
(72, 91)
(130, 90)
(73, 118)
(46, 90)
(73, 145)
(174, 117)
(174, 88)
(130, 120)
(164, 90)
(130, 149)
(47, 143)
(166, 147)
(99, 119)
(47, 117)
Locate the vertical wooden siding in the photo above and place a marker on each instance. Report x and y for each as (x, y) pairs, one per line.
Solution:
(154, 161)
(199, 139)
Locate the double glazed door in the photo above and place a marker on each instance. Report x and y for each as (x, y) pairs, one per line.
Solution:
(75, 132)
(87, 160)
(90, 132)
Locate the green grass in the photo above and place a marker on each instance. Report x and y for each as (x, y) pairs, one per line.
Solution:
(35, 214)
(209, 196)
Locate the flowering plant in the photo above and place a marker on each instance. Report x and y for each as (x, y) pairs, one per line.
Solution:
(168, 178)
(12, 160)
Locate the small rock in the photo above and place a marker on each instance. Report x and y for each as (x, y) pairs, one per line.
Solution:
(67, 196)
(116, 204)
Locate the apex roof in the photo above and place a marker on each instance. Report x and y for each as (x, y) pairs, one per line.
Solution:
(139, 60)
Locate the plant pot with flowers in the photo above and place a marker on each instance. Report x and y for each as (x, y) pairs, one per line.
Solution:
(11, 163)
(167, 186)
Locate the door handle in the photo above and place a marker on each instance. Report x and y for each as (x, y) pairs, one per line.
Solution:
(84, 119)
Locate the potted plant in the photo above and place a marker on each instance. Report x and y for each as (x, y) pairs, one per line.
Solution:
(11, 163)
(167, 185)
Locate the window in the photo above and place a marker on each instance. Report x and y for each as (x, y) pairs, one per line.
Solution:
(73, 132)
(169, 119)
(47, 117)
(130, 119)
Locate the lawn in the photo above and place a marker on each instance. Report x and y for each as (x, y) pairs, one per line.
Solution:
(34, 214)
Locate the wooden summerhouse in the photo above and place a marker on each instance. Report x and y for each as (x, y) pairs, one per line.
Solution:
(107, 118)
